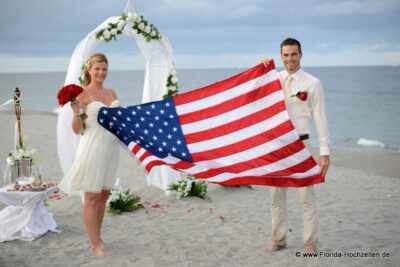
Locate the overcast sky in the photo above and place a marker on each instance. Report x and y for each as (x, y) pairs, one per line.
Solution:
(41, 35)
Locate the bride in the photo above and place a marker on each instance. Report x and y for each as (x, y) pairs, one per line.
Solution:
(94, 169)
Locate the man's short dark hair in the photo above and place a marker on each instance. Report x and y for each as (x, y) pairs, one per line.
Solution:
(291, 41)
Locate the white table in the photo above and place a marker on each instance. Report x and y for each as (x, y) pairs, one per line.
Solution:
(26, 217)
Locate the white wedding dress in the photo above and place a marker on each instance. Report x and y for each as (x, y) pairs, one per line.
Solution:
(97, 158)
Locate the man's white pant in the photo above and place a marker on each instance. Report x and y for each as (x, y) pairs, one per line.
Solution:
(279, 215)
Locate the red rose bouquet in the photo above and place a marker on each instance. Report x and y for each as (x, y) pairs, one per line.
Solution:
(69, 93)
(301, 95)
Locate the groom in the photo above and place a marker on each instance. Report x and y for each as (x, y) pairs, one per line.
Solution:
(304, 99)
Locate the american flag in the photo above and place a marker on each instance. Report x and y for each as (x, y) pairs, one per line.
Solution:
(233, 132)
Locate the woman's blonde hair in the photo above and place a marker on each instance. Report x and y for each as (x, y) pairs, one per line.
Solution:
(93, 59)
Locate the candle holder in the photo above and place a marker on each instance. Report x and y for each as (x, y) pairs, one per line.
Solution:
(19, 163)
(18, 112)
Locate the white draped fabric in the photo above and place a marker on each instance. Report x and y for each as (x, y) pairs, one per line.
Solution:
(158, 56)
(26, 217)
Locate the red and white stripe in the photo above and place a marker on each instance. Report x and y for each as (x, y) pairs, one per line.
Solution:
(239, 132)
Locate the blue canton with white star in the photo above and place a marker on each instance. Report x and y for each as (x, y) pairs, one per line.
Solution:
(154, 126)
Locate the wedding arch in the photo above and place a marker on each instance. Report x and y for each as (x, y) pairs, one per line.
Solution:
(158, 56)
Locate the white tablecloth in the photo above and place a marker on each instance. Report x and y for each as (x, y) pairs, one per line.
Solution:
(26, 217)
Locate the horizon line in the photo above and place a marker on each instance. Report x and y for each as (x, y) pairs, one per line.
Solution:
(213, 68)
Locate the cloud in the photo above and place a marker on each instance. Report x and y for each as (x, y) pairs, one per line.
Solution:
(224, 60)
(368, 7)
(195, 14)
(224, 32)
(20, 63)
(362, 55)
(357, 55)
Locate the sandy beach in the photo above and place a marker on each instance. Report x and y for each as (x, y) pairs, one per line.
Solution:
(357, 206)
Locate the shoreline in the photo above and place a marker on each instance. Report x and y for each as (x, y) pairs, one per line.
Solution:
(384, 163)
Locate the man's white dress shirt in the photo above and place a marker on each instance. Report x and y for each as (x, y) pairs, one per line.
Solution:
(302, 112)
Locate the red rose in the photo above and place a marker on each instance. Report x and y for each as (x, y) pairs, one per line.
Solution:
(301, 95)
(68, 93)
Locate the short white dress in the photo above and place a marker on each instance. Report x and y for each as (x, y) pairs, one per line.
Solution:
(97, 158)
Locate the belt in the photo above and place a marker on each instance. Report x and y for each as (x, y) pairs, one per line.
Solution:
(304, 137)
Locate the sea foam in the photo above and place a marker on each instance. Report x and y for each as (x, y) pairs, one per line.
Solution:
(369, 142)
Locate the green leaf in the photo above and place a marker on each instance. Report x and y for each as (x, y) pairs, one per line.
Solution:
(99, 34)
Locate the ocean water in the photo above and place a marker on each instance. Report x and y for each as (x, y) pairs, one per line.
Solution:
(363, 103)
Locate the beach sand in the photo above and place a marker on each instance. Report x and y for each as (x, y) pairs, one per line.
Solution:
(357, 209)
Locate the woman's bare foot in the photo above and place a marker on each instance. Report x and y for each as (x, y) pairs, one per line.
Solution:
(98, 251)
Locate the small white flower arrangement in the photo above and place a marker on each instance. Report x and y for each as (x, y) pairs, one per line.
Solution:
(172, 83)
(21, 152)
(112, 30)
(81, 79)
(138, 23)
(147, 30)
(20, 163)
(120, 201)
(190, 187)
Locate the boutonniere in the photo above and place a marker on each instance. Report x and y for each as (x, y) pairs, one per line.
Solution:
(301, 95)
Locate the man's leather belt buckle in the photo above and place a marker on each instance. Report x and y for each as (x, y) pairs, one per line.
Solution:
(304, 137)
